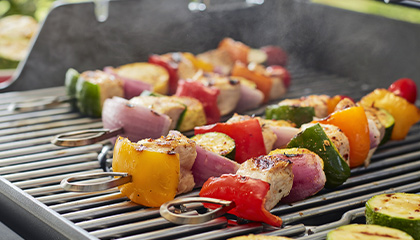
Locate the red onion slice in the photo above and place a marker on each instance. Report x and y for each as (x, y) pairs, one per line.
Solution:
(132, 87)
(138, 122)
(284, 135)
(309, 177)
(208, 164)
(251, 98)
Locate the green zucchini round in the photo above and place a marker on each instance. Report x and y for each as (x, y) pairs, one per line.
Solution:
(217, 142)
(395, 210)
(366, 232)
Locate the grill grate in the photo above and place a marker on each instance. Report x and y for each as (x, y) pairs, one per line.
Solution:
(31, 163)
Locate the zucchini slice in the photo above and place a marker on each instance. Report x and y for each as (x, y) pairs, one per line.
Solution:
(70, 82)
(92, 88)
(395, 210)
(217, 142)
(388, 121)
(193, 116)
(316, 140)
(295, 114)
(367, 232)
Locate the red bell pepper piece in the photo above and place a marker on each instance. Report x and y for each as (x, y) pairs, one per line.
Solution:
(206, 95)
(248, 194)
(247, 135)
(170, 66)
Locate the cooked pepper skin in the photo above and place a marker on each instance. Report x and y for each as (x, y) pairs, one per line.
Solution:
(405, 113)
(314, 138)
(88, 98)
(248, 194)
(206, 95)
(353, 122)
(247, 135)
(264, 83)
(155, 175)
(170, 66)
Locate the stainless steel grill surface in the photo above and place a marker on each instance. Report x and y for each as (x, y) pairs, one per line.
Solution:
(31, 169)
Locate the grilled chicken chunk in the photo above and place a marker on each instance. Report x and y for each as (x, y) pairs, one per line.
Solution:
(163, 105)
(178, 143)
(109, 85)
(268, 134)
(338, 138)
(318, 102)
(194, 115)
(220, 59)
(274, 170)
(230, 90)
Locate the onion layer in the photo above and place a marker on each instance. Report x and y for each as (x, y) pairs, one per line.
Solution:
(208, 164)
(132, 87)
(138, 122)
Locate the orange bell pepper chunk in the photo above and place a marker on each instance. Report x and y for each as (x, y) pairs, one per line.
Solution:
(237, 50)
(354, 124)
(263, 82)
(405, 113)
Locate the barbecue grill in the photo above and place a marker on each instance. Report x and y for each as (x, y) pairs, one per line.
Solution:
(330, 53)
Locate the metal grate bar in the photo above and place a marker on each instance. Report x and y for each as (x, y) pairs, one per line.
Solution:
(50, 132)
(100, 211)
(47, 172)
(51, 154)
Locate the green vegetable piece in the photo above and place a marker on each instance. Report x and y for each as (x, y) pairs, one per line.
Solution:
(217, 142)
(295, 114)
(70, 82)
(395, 210)
(388, 121)
(150, 93)
(366, 232)
(88, 98)
(314, 138)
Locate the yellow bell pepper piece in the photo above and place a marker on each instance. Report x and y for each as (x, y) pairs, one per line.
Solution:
(155, 175)
(405, 113)
(198, 63)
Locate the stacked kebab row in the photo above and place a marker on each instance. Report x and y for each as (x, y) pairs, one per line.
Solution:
(258, 162)
(180, 90)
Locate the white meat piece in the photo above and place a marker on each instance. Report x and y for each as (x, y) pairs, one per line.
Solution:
(163, 105)
(109, 85)
(277, 89)
(318, 102)
(220, 59)
(274, 170)
(230, 90)
(175, 142)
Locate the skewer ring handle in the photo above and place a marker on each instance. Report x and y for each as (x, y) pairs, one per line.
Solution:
(122, 179)
(180, 218)
(67, 139)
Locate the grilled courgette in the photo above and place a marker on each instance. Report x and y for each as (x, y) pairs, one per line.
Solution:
(216, 142)
(366, 232)
(395, 210)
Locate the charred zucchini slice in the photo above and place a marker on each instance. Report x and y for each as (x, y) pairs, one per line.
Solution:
(295, 114)
(366, 232)
(216, 142)
(395, 210)
(316, 140)
(388, 121)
